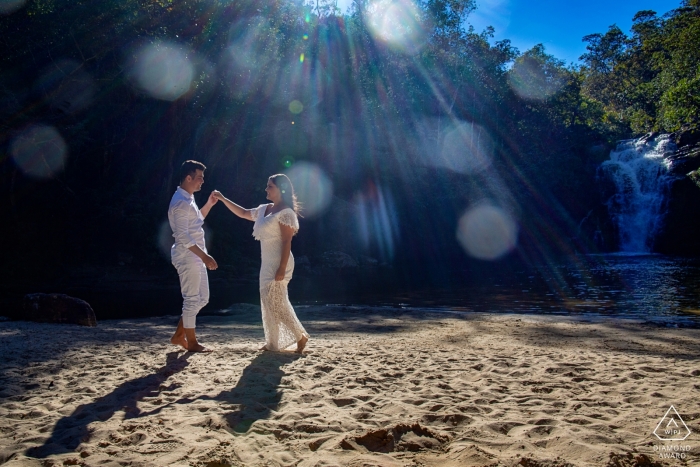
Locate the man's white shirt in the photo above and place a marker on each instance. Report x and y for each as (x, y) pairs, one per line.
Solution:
(187, 222)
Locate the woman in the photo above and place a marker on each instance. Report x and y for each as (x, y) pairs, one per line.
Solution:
(275, 225)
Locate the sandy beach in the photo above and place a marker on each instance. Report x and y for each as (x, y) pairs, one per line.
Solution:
(376, 387)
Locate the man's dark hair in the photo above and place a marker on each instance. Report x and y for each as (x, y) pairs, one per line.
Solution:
(190, 168)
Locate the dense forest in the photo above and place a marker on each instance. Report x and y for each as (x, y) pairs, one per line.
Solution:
(393, 120)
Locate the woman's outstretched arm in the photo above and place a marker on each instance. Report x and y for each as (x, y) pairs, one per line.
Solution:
(233, 207)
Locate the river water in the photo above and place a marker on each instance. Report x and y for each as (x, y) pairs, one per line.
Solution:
(649, 288)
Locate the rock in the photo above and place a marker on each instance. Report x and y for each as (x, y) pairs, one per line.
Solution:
(687, 137)
(680, 220)
(58, 308)
(649, 136)
(368, 262)
(337, 260)
(695, 177)
(681, 226)
(684, 160)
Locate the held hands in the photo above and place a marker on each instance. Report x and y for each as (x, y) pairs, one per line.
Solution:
(213, 199)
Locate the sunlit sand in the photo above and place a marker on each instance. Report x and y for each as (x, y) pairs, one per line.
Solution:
(374, 387)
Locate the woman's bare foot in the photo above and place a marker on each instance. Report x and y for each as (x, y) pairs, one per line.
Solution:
(179, 340)
(263, 348)
(301, 344)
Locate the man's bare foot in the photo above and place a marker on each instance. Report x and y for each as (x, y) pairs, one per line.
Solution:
(179, 340)
(180, 336)
(301, 344)
(199, 348)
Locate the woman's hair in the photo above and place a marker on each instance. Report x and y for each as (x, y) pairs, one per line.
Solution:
(283, 182)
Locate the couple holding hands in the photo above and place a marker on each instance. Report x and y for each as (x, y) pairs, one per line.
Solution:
(274, 226)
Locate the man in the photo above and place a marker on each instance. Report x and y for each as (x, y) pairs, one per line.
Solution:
(189, 253)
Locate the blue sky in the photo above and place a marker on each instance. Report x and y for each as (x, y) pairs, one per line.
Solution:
(559, 25)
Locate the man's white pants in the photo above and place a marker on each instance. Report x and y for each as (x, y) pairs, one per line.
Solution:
(194, 285)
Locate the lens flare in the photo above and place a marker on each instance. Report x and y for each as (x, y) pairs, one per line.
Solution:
(162, 70)
(397, 23)
(296, 107)
(291, 140)
(466, 148)
(249, 63)
(487, 232)
(39, 151)
(67, 86)
(377, 220)
(165, 239)
(10, 6)
(530, 81)
(288, 161)
(312, 186)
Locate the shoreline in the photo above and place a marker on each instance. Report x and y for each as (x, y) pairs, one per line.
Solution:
(377, 386)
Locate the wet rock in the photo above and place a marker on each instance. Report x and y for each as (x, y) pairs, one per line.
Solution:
(681, 227)
(649, 136)
(687, 136)
(58, 308)
(597, 232)
(695, 177)
(684, 160)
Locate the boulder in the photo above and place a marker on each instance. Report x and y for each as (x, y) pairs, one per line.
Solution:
(688, 136)
(368, 262)
(684, 160)
(58, 308)
(338, 260)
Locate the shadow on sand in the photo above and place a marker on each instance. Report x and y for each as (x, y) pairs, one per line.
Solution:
(255, 395)
(70, 431)
(257, 392)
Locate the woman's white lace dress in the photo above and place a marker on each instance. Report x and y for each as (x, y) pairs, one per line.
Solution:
(280, 322)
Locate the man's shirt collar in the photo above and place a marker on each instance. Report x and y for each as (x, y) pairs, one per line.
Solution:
(184, 193)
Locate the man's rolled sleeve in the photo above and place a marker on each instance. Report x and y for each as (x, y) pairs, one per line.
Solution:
(181, 214)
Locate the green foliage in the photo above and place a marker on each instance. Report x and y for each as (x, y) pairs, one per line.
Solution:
(680, 104)
(364, 102)
(649, 79)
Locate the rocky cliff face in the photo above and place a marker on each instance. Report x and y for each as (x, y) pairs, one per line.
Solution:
(680, 234)
(679, 219)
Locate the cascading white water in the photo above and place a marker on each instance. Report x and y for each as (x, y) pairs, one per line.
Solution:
(640, 173)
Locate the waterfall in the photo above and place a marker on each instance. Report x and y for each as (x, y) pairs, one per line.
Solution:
(639, 170)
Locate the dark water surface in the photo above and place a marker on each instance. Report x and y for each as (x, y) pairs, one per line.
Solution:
(651, 288)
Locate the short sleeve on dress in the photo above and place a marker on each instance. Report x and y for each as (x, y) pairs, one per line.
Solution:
(255, 212)
(289, 217)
